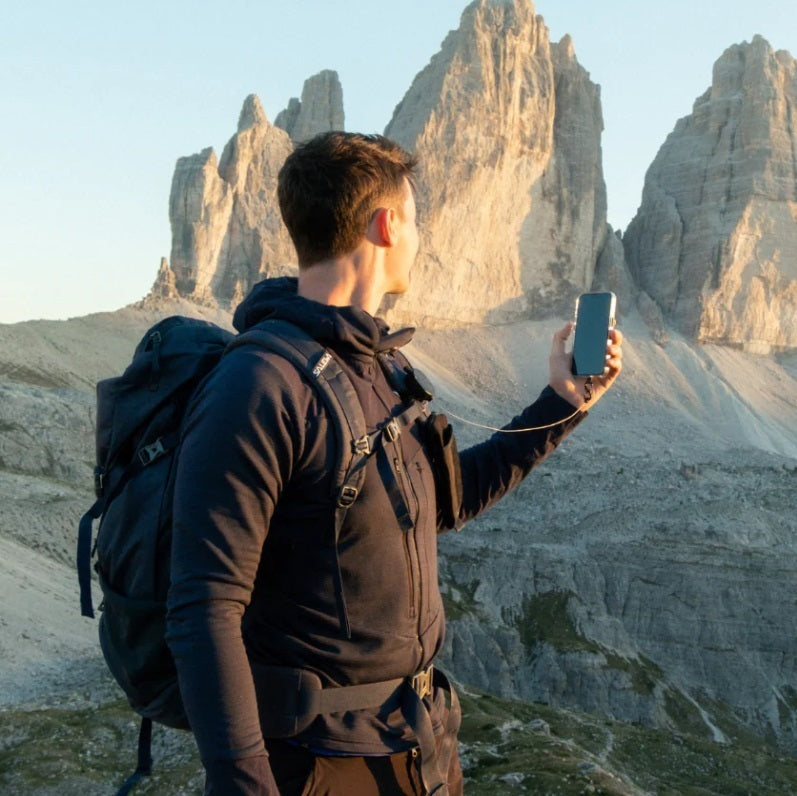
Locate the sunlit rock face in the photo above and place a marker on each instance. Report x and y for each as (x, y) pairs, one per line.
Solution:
(226, 227)
(513, 205)
(319, 110)
(507, 127)
(714, 242)
(227, 232)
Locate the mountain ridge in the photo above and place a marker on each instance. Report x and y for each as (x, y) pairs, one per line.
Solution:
(680, 430)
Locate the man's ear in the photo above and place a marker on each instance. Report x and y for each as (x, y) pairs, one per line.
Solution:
(385, 226)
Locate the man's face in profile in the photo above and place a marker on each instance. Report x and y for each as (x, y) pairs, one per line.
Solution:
(403, 254)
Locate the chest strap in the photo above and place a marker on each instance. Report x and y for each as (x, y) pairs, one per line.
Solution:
(388, 434)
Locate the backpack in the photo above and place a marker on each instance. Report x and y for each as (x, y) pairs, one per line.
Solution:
(139, 416)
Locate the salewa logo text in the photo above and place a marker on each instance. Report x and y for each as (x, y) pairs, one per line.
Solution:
(322, 363)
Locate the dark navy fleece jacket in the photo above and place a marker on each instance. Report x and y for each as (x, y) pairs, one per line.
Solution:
(252, 557)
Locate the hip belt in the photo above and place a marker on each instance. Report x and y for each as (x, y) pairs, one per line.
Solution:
(289, 700)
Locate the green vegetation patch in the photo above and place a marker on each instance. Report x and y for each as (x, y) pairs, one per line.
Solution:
(515, 747)
(90, 751)
(545, 618)
(506, 747)
(460, 600)
(678, 764)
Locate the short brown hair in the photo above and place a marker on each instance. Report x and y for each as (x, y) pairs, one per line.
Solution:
(330, 186)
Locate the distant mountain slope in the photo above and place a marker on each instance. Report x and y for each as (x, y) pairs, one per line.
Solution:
(643, 572)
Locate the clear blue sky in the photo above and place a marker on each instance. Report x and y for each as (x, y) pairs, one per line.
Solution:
(99, 99)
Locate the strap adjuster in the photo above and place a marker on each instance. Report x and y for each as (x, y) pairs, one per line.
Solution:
(361, 446)
(392, 430)
(347, 496)
(99, 481)
(148, 453)
(422, 682)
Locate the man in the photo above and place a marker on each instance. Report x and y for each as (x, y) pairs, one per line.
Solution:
(263, 583)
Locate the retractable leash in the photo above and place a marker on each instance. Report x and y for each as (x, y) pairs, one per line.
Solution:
(587, 399)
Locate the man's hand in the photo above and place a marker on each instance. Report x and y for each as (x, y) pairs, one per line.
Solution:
(571, 387)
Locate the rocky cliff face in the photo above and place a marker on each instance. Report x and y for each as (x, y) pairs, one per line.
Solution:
(671, 622)
(643, 571)
(715, 239)
(511, 191)
(227, 232)
(320, 108)
(226, 227)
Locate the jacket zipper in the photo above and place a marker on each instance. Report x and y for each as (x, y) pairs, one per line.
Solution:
(410, 545)
(417, 551)
(411, 500)
(410, 576)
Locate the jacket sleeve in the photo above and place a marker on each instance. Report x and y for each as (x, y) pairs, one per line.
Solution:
(494, 467)
(237, 452)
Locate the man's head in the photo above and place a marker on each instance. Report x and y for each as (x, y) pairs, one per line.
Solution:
(330, 188)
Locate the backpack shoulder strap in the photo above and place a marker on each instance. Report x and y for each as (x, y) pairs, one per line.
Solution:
(336, 391)
(338, 394)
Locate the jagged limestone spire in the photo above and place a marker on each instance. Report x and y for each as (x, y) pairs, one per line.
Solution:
(320, 109)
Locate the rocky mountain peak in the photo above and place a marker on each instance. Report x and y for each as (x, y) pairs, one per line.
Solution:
(566, 47)
(252, 114)
(714, 242)
(319, 110)
(510, 187)
(492, 118)
(227, 232)
(226, 228)
(499, 49)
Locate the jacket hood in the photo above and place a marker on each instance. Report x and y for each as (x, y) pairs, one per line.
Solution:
(348, 328)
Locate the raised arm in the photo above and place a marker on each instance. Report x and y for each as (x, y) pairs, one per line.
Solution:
(494, 467)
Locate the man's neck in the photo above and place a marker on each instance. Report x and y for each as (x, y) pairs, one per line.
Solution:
(343, 282)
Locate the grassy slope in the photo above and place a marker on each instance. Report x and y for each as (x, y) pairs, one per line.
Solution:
(506, 747)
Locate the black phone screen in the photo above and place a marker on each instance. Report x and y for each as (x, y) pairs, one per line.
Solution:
(594, 318)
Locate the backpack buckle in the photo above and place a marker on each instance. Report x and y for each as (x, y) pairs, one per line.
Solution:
(99, 481)
(422, 682)
(392, 430)
(149, 453)
(347, 496)
(361, 446)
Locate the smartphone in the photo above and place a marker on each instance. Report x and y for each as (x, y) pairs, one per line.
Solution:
(594, 318)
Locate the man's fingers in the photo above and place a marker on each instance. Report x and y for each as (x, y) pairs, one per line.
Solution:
(614, 364)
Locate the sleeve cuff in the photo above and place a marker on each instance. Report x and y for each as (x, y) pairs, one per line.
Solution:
(249, 776)
(558, 405)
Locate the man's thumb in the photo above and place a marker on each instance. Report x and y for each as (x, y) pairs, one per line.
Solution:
(560, 338)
